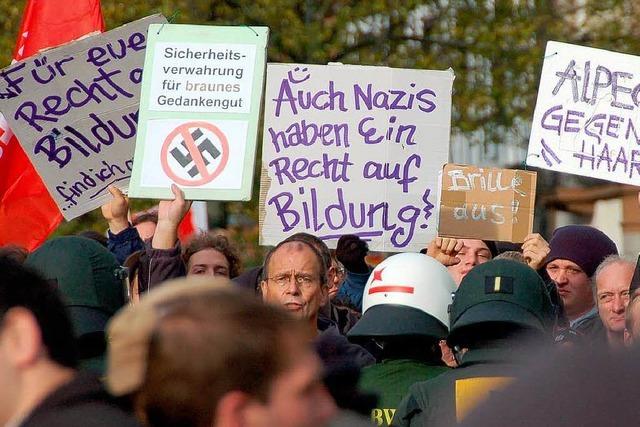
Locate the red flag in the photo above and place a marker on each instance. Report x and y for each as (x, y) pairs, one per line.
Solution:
(28, 214)
(193, 222)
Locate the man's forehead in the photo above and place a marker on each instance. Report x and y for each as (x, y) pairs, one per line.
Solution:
(615, 275)
(561, 262)
(286, 250)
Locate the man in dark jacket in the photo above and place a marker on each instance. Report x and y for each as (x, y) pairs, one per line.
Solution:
(39, 384)
(576, 252)
(500, 309)
(295, 278)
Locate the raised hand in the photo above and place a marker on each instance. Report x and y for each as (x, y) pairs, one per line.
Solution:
(116, 211)
(170, 213)
(535, 250)
(445, 250)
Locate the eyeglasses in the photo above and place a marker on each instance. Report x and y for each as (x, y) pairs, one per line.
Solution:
(301, 279)
(339, 268)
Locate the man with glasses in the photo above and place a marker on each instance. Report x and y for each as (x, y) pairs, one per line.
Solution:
(295, 278)
(576, 252)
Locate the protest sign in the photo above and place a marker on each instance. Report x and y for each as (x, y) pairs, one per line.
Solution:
(354, 150)
(486, 203)
(199, 109)
(74, 110)
(586, 119)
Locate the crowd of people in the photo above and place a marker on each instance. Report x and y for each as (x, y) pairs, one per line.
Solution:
(137, 329)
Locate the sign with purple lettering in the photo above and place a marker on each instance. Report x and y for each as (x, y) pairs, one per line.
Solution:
(354, 150)
(74, 110)
(587, 120)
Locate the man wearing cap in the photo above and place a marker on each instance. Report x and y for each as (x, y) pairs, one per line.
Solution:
(196, 352)
(576, 252)
(500, 309)
(92, 286)
(39, 383)
(405, 314)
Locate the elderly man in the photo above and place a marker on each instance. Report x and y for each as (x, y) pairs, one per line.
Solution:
(197, 352)
(611, 290)
(295, 278)
(39, 383)
(576, 252)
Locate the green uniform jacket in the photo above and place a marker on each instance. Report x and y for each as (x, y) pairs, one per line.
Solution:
(448, 398)
(391, 380)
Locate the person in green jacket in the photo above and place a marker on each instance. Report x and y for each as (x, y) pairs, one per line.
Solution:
(500, 313)
(405, 315)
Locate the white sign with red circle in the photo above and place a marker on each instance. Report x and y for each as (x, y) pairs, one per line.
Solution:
(194, 153)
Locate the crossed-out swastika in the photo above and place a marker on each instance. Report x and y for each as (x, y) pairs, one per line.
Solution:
(205, 146)
(183, 153)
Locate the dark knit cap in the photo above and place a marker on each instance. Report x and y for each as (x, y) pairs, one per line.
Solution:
(582, 244)
(493, 248)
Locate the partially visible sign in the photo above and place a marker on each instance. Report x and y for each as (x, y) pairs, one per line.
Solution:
(486, 203)
(354, 150)
(587, 120)
(199, 109)
(74, 110)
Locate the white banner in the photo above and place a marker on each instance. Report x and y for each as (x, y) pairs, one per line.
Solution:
(354, 150)
(586, 120)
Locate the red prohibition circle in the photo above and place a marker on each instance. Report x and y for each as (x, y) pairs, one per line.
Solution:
(196, 155)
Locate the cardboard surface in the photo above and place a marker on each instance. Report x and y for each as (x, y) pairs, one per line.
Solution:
(486, 203)
(353, 150)
(74, 110)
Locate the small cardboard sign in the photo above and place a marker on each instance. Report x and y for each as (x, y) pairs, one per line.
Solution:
(74, 110)
(354, 150)
(199, 109)
(486, 203)
(586, 121)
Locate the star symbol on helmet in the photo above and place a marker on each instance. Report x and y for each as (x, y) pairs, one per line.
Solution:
(377, 274)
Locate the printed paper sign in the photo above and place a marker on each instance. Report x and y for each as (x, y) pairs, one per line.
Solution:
(74, 110)
(487, 203)
(200, 103)
(586, 120)
(354, 150)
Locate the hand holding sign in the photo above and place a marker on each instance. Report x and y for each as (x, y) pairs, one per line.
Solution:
(170, 213)
(445, 250)
(535, 250)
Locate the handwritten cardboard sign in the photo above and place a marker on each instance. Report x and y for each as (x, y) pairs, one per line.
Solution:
(587, 120)
(74, 110)
(354, 150)
(486, 203)
(199, 110)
